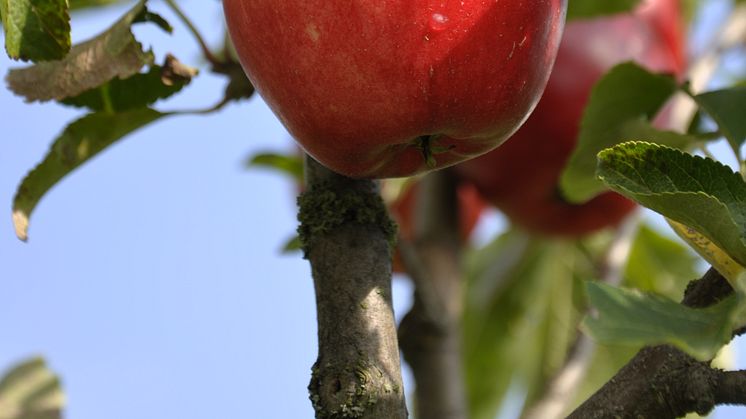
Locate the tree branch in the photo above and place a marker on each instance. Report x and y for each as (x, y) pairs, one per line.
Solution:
(347, 237)
(430, 333)
(662, 381)
(731, 388)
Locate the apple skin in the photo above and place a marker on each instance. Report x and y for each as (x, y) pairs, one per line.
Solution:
(521, 177)
(361, 85)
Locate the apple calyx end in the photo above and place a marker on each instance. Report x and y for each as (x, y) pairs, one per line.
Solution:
(427, 144)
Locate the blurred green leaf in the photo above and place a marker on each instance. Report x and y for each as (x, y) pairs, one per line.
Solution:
(700, 193)
(660, 264)
(80, 141)
(291, 165)
(292, 245)
(727, 108)
(606, 361)
(631, 317)
(641, 128)
(620, 106)
(84, 4)
(519, 317)
(37, 30)
(30, 390)
(114, 53)
(140, 90)
(585, 9)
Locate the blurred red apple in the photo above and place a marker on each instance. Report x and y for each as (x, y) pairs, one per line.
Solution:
(402, 210)
(391, 88)
(521, 177)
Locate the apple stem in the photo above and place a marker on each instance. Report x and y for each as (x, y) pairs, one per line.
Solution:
(429, 148)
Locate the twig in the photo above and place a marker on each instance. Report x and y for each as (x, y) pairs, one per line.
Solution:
(430, 333)
(215, 61)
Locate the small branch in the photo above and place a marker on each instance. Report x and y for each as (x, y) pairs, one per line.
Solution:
(731, 388)
(347, 238)
(215, 61)
(212, 109)
(661, 381)
(561, 388)
(430, 333)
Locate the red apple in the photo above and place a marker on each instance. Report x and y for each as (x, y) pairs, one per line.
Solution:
(521, 177)
(391, 88)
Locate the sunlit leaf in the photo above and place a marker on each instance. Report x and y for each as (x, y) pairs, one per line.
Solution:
(620, 107)
(79, 142)
(114, 53)
(37, 30)
(30, 390)
(584, 9)
(291, 165)
(519, 318)
(84, 4)
(630, 317)
(700, 193)
(727, 108)
(714, 255)
(137, 91)
(660, 264)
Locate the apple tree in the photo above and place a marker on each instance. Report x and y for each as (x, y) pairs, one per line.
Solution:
(580, 304)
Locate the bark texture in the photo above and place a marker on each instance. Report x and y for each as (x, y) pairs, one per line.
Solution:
(347, 238)
(430, 333)
(663, 382)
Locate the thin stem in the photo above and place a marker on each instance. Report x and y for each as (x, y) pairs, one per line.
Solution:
(218, 106)
(193, 29)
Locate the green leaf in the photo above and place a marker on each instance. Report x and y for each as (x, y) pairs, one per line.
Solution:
(30, 390)
(80, 141)
(114, 53)
(585, 9)
(84, 4)
(292, 245)
(630, 317)
(641, 128)
(697, 192)
(519, 317)
(291, 165)
(148, 16)
(140, 90)
(37, 30)
(727, 108)
(620, 105)
(659, 264)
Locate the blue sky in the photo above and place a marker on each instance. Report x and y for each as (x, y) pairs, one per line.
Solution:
(152, 279)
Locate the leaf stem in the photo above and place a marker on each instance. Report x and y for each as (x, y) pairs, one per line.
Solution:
(215, 61)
